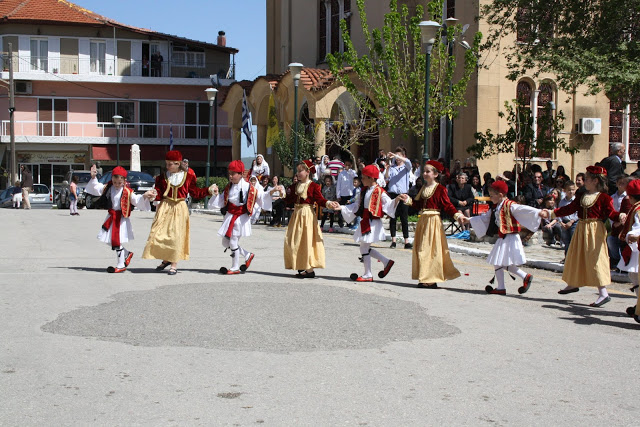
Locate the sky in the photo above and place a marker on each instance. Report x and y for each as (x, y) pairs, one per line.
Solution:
(243, 21)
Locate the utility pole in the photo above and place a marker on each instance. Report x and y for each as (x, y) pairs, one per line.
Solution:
(12, 108)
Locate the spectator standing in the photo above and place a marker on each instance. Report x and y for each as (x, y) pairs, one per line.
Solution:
(568, 222)
(334, 166)
(344, 183)
(98, 169)
(17, 195)
(488, 180)
(461, 195)
(277, 193)
(613, 165)
(382, 155)
(397, 179)
(27, 186)
(323, 168)
(535, 192)
(415, 172)
(73, 199)
(329, 193)
(621, 204)
(579, 181)
(560, 173)
(549, 174)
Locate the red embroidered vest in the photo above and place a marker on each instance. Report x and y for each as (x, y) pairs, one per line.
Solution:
(508, 224)
(375, 202)
(125, 200)
(250, 198)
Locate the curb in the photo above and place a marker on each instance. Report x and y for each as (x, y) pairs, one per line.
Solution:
(543, 265)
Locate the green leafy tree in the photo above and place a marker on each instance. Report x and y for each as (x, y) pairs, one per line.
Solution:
(284, 145)
(393, 68)
(520, 137)
(595, 43)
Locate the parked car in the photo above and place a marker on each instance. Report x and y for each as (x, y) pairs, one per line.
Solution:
(40, 196)
(140, 183)
(62, 193)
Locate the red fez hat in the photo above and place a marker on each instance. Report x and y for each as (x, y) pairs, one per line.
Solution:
(597, 170)
(119, 170)
(436, 164)
(500, 187)
(372, 171)
(236, 166)
(633, 189)
(174, 155)
(309, 165)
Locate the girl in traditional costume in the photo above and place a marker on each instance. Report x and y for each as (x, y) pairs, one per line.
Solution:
(169, 236)
(630, 233)
(431, 260)
(371, 205)
(587, 261)
(119, 199)
(239, 200)
(505, 220)
(303, 245)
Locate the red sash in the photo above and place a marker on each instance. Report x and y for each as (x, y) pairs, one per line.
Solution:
(235, 211)
(114, 219)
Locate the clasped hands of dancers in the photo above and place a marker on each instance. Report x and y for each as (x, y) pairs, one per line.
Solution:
(587, 260)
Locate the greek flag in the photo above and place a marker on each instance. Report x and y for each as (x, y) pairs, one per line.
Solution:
(171, 137)
(246, 119)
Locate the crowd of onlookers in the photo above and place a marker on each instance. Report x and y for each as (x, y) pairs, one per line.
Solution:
(532, 185)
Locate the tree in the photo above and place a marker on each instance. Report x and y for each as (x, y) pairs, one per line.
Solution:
(393, 69)
(353, 126)
(520, 137)
(595, 43)
(284, 144)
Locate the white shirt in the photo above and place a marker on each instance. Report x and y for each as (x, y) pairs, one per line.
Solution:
(344, 183)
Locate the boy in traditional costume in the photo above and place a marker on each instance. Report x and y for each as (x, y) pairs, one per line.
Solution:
(587, 261)
(431, 262)
(169, 236)
(303, 246)
(118, 198)
(630, 234)
(505, 220)
(370, 205)
(239, 200)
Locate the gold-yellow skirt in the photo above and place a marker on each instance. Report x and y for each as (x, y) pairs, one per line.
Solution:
(587, 262)
(169, 236)
(431, 260)
(303, 245)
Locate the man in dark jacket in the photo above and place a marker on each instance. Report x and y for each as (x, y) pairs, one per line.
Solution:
(27, 186)
(613, 165)
(535, 192)
(461, 194)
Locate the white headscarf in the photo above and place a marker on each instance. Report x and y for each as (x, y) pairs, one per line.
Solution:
(261, 169)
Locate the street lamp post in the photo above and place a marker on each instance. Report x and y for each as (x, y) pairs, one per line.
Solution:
(211, 96)
(450, 22)
(117, 119)
(428, 30)
(296, 69)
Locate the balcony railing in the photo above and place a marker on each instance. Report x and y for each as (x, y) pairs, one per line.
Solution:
(107, 130)
(111, 67)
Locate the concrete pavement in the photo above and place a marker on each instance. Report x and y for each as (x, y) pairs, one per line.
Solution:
(83, 347)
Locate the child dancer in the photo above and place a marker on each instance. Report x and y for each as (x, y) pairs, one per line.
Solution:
(504, 220)
(587, 262)
(630, 233)
(371, 205)
(431, 260)
(239, 200)
(169, 236)
(118, 199)
(303, 246)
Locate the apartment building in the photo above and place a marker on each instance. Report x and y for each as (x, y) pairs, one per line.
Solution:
(74, 70)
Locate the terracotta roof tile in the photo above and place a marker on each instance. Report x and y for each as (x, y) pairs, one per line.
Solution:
(315, 79)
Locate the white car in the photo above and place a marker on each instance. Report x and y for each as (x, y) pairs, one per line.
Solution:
(40, 196)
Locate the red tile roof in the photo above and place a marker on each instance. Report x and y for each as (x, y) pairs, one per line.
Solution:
(315, 79)
(62, 12)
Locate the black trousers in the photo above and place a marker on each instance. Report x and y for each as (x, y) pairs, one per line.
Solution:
(402, 213)
(278, 212)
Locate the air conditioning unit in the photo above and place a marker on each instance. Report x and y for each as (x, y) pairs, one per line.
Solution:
(23, 87)
(590, 126)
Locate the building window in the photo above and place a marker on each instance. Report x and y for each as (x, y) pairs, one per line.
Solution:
(524, 92)
(97, 57)
(451, 8)
(331, 12)
(52, 117)
(39, 54)
(545, 98)
(108, 109)
(186, 56)
(624, 127)
(196, 120)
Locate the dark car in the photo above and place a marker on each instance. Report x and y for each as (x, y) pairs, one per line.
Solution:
(140, 183)
(62, 192)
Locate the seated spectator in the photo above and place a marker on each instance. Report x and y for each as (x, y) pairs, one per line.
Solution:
(569, 222)
(560, 173)
(476, 187)
(461, 195)
(488, 180)
(559, 187)
(534, 193)
(579, 181)
(551, 229)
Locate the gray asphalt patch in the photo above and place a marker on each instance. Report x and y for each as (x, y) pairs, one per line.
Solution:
(277, 318)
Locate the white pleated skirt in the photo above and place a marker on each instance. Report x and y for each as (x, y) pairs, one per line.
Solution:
(507, 251)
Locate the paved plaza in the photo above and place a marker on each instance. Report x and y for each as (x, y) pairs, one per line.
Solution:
(82, 347)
